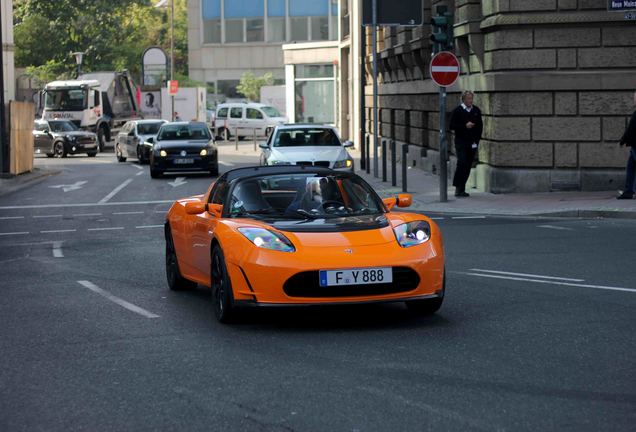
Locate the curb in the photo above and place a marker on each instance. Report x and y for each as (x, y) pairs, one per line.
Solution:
(608, 214)
(21, 181)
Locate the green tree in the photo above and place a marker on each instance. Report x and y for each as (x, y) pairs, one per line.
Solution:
(250, 85)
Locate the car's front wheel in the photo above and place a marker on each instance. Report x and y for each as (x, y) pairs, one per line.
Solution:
(222, 298)
(176, 281)
(59, 150)
(155, 173)
(120, 155)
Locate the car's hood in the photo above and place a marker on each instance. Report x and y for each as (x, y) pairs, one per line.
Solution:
(167, 145)
(309, 153)
(74, 134)
(144, 138)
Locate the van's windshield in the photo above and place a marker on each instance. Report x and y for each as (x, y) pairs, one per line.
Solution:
(271, 111)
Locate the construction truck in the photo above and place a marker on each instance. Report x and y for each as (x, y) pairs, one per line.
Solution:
(100, 102)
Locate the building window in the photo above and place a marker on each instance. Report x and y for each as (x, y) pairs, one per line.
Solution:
(244, 20)
(211, 21)
(315, 92)
(228, 88)
(276, 21)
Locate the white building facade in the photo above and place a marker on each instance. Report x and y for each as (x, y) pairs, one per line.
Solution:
(8, 50)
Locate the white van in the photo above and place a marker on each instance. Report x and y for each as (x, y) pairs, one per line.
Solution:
(243, 119)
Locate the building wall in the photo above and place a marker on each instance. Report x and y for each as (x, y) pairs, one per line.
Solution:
(554, 79)
(8, 49)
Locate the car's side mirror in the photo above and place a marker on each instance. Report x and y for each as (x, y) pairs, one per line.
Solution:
(215, 210)
(263, 145)
(131, 133)
(150, 140)
(46, 131)
(195, 207)
(347, 144)
(402, 200)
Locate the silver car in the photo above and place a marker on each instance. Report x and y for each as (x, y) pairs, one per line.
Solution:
(132, 140)
(307, 144)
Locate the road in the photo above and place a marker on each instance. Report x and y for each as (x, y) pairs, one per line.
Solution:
(537, 331)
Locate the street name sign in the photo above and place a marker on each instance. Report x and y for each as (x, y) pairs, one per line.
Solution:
(444, 69)
(621, 5)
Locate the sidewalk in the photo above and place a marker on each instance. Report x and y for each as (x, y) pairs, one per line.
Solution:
(16, 183)
(425, 190)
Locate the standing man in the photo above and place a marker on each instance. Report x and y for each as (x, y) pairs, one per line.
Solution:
(468, 126)
(629, 139)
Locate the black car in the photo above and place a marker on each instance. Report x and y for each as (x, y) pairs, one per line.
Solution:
(184, 146)
(61, 137)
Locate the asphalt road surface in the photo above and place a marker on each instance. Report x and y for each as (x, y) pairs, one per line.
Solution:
(537, 332)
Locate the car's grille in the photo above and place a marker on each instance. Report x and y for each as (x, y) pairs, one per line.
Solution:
(188, 153)
(307, 284)
(86, 140)
(324, 164)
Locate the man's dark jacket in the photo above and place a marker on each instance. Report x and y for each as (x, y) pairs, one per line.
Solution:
(629, 137)
(459, 118)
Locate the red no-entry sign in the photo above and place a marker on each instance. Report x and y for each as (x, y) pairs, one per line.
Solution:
(444, 69)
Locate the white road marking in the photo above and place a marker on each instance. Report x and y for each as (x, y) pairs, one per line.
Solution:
(140, 173)
(14, 233)
(527, 275)
(138, 167)
(128, 213)
(554, 227)
(437, 218)
(11, 217)
(227, 164)
(71, 187)
(161, 211)
(47, 216)
(149, 226)
(469, 217)
(115, 191)
(86, 214)
(179, 181)
(39, 206)
(552, 282)
(106, 229)
(57, 249)
(121, 302)
(57, 231)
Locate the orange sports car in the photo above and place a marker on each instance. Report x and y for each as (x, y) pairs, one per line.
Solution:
(302, 235)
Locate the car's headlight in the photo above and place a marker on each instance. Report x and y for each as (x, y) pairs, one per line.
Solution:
(71, 138)
(163, 153)
(268, 239)
(345, 163)
(203, 152)
(412, 233)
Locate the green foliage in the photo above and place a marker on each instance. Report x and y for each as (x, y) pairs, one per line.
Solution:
(112, 33)
(250, 85)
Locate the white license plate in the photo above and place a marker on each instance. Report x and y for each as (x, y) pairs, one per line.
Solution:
(183, 161)
(362, 276)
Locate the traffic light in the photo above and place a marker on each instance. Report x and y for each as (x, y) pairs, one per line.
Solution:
(442, 31)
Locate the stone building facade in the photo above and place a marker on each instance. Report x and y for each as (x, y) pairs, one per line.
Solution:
(553, 78)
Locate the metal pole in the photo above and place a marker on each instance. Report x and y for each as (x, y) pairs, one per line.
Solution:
(172, 53)
(393, 164)
(254, 136)
(374, 23)
(5, 167)
(363, 84)
(443, 148)
(383, 160)
(367, 140)
(405, 154)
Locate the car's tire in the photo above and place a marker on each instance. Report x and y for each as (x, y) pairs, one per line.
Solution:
(428, 306)
(214, 172)
(176, 282)
(140, 156)
(225, 134)
(155, 173)
(119, 154)
(101, 138)
(91, 154)
(49, 155)
(222, 296)
(59, 150)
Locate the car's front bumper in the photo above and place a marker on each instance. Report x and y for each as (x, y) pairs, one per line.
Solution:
(199, 163)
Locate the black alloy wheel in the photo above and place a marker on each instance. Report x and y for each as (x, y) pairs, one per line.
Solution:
(176, 281)
(222, 298)
(428, 306)
(58, 149)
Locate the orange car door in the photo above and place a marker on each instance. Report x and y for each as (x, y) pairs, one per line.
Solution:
(202, 228)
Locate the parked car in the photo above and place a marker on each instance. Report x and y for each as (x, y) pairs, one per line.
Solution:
(297, 236)
(132, 139)
(183, 146)
(60, 138)
(243, 119)
(309, 144)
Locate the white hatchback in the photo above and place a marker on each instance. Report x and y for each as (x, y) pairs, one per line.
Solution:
(307, 144)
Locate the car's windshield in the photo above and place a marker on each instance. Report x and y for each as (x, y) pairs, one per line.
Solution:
(65, 100)
(271, 111)
(322, 137)
(184, 132)
(62, 126)
(148, 128)
(303, 196)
